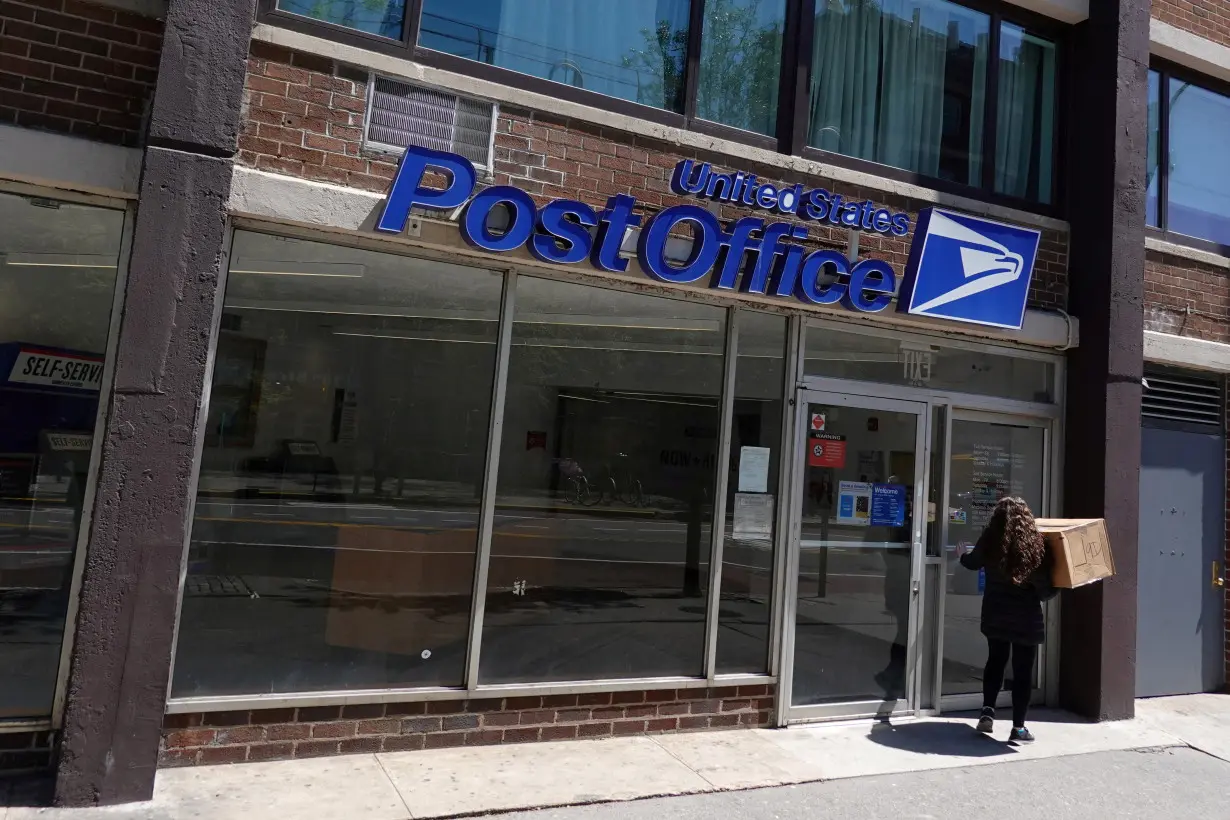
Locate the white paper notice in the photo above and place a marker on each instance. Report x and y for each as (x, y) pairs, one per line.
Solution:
(754, 469)
(753, 517)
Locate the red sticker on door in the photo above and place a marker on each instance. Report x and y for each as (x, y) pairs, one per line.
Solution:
(818, 422)
(826, 450)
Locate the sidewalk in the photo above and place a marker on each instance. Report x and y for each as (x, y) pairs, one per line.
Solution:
(453, 782)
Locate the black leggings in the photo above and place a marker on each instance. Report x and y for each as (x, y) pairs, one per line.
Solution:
(1022, 676)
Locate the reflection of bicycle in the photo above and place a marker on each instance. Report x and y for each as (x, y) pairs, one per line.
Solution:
(622, 486)
(580, 491)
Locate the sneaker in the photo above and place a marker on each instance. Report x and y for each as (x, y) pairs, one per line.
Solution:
(986, 723)
(1020, 734)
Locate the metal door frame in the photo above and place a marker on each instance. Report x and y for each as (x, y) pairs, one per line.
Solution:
(1045, 673)
(804, 396)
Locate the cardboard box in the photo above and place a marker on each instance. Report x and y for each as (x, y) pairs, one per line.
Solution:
(1080, 548)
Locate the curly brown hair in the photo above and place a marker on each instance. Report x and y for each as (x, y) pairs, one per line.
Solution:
(1014, 543)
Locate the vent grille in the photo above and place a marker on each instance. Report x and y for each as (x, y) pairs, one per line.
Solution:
(402, 114)
(1182, 398)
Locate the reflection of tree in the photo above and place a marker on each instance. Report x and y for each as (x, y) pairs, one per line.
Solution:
(662, 59)
(739, 65)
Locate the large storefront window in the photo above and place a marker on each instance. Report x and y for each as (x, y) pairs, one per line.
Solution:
(58, 268)
(336, 521)
(600, 552)
(633, 49)
(752, 495)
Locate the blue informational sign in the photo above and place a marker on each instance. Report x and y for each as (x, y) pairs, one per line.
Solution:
(887, 505)
(969, 269)
(961, 267)
(845, 506)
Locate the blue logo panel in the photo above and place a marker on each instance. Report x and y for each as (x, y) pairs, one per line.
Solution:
(969, 269)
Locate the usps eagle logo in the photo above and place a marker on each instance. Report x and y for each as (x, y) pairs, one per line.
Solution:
(969, 269)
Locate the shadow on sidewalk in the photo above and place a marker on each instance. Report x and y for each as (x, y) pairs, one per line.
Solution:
(938, 738)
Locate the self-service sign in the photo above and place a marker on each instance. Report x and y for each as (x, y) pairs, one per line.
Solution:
(826, 450)
(56, 369)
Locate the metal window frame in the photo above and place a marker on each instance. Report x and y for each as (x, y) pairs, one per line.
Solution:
(1167, 71)
(793, 93)
(717, 529)
(55, 718)
(486, 515)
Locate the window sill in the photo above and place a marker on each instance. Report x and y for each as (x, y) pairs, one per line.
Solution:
(507, 95)
(1159, 245)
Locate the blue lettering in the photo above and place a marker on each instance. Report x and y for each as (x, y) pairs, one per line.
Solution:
(682, 180)
(849, 215)
(871, 276)
(880, 221)
(734, 244)
(521, 218)
(786, 272)
(901, 224)
(766, 196)
(651, 248)
(817, 206)
(789, 199)
(810, 289)
(719, 181)
(835, 209)
(563, 240)
(770, 248)
(614, 222)
(408, 189)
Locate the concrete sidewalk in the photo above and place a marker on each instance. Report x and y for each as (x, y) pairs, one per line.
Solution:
(452, 782)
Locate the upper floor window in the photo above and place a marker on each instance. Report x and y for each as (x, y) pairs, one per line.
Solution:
(949, 93)
(633, 49)
(1187, 175)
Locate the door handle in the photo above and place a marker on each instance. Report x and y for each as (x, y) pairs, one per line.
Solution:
(1218, 580)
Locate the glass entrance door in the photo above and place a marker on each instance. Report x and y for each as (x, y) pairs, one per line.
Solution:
(859, 484)
(989, 457)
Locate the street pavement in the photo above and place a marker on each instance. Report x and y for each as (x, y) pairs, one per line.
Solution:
(1149, 784)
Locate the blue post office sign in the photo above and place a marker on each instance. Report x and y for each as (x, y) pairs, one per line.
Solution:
(969, 269)
(961, 268)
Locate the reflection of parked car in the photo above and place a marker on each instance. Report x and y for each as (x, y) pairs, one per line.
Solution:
(296, 469)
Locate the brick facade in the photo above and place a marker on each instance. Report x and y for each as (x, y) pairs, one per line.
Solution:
(275, 734)
(77, 68)
(1209, 19)
(1187, 298)
(305, 118)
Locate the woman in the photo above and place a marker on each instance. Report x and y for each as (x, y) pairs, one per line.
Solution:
(1018, 580)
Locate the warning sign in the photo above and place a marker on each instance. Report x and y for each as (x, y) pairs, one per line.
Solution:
(818, 422)
(826, 450)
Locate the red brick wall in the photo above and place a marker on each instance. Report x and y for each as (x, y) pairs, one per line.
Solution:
(305, 118)
(25, 751)
(273, 734)
(1206, 18)
(1186, 298)
(77, 68)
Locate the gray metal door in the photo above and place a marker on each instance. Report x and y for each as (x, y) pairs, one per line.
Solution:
(1180, 617)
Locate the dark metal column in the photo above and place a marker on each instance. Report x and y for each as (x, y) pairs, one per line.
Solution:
(1106, 128)
(125, 630)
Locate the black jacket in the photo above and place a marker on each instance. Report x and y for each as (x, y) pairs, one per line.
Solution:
(1012, 612)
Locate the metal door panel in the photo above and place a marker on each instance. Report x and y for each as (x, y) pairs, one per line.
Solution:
(1180, 617)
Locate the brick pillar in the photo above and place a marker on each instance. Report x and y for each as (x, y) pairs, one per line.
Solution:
(1106, 162)
(125, 630)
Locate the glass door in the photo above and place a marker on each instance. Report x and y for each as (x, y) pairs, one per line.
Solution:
(859, 479)
(989, 457)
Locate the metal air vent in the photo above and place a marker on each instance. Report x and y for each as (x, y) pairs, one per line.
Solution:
(1186, 398)
(401, 114)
